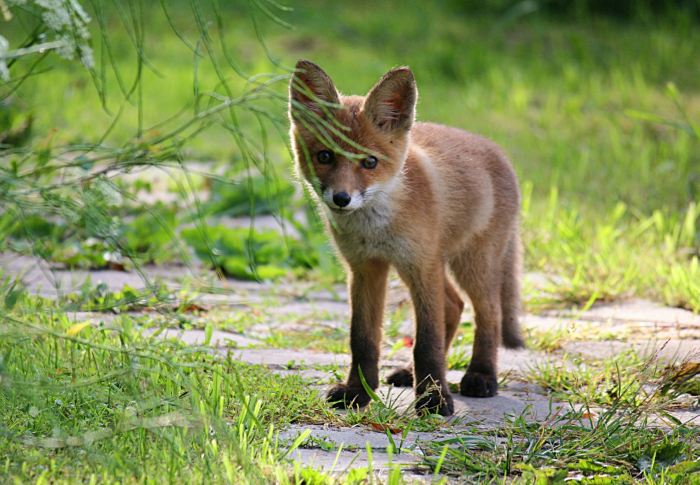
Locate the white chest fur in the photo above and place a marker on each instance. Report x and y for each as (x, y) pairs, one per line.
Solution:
(369, 233)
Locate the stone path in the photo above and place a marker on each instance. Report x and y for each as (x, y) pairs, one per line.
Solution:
(642, 326)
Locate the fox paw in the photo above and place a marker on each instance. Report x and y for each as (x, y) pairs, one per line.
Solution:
(475, 384)
(402, 377)
(437, 402)
(513, 340)
(341, 396)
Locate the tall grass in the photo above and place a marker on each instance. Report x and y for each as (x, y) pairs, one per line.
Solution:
(616, 256)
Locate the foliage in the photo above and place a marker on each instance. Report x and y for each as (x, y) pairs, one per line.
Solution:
(110, 401)
(148, 241)
(620, 9)
(15, 123)
(250, 253)
(258, 195)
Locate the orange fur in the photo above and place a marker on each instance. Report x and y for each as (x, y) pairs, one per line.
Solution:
(439, 198)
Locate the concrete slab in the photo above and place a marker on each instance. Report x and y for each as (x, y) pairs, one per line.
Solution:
(50, 281)
(339, 293)
(514, 399)
(688, 417)
(668, 350)
(321, 378)
(340, 463)
(358, 438)
(637, 310)
(197, 337)
(283, 358)
(322, 309)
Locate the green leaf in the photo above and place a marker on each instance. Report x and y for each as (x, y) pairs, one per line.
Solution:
(369, 391)
(12, 298)
(208, 331)
(75, 329)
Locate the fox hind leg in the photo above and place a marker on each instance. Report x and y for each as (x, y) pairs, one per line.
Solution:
(454, 305)
(475, 272)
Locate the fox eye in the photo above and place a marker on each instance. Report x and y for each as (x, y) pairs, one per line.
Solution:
(324, 157)
(369, 162)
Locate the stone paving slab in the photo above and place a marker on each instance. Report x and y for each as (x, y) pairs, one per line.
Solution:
(283, 358)
(637, 310)
(358, 437)
(346, 448)
(339, 463)
(197, 337)
(50, 281)
(515, 399)
(620, 318)
(671, 350)
(306, 309)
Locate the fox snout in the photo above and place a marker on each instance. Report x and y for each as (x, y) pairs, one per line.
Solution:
(341, 200)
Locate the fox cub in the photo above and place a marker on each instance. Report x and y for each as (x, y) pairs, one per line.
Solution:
(422, 198)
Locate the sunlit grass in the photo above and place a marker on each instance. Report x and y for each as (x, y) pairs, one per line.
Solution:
(616, 255)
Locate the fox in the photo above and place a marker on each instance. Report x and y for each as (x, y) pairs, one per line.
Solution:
(437, 204)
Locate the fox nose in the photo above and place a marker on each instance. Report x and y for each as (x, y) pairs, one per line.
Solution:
(341, 199)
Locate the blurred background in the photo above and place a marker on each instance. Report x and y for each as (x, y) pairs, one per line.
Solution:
(595, 103)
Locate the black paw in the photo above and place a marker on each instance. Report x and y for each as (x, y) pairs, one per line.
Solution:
(513, 341)
(402, 377)
(478, 385)
(437, 402)
(341, 396)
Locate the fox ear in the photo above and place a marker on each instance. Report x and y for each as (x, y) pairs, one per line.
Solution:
(312, 88)
(391, 104)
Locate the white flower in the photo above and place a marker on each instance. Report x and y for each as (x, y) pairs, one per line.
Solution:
(4, 49)
(68, 20)
(86, 56)
(67, 50)
(56, 19)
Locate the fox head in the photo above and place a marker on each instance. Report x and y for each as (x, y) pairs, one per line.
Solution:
(350, 148)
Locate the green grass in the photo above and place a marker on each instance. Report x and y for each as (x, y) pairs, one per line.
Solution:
(614, 450)
(608, 161)
(81, 402)
(112, 403)
(619, 254)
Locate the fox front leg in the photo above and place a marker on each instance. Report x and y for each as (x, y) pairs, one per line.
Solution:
(427, 287)
(368, 282)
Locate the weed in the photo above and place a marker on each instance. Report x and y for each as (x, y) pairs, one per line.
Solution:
(459, 357)
(321, 339)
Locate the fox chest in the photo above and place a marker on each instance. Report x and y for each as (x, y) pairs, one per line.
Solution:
(371, 235)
